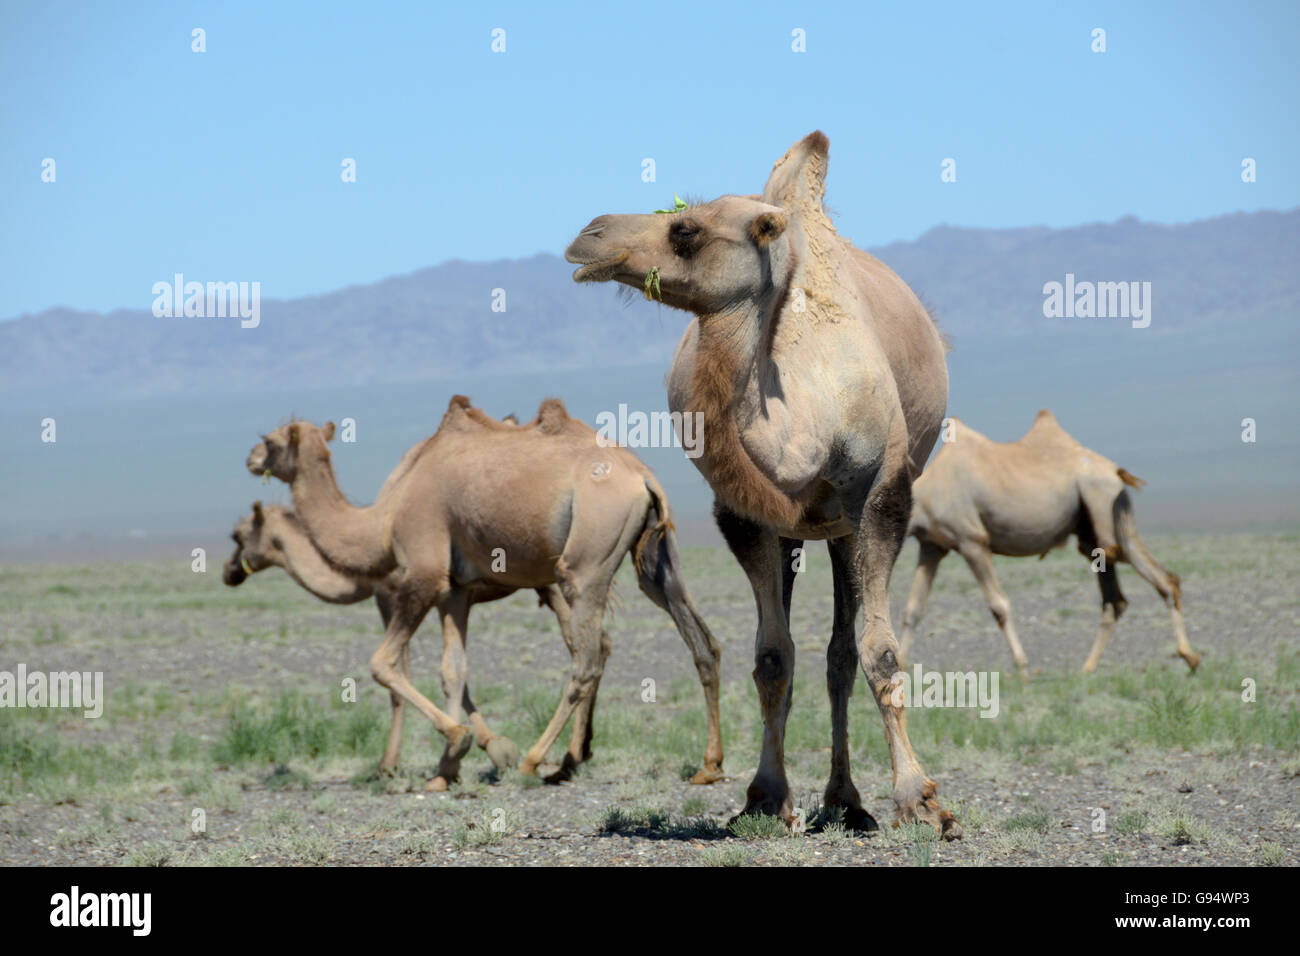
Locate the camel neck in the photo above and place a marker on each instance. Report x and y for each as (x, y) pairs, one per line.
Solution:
(348, 537)
(734, 343)
(305, 564)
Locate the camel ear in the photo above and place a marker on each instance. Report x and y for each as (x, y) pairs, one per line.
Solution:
(766, 227)
(798, 180)
(258, 516)
(328, 431)
(293, 435)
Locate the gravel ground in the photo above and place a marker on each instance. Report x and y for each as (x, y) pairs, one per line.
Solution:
(156, 626)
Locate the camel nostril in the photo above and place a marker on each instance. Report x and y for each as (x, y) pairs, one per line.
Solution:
(596, 227)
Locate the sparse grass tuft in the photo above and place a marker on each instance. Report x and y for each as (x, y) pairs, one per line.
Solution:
(753, 826)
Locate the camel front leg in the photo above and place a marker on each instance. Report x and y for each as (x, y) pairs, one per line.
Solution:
(927, 566)
(393, 751)
(659, 575)
(841, 673)
(883, 525)
(387, 668)
(1112, 606)
(980, 559)
(454, 612)
(758, 550)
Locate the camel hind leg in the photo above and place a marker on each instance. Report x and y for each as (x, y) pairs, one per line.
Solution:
(584, 713)
(927, 566)
(1166, 583)
(659, 574)
(585, 572)
(1112, 607)
(980, 559)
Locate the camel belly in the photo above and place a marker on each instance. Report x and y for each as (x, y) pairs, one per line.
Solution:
(1025, 534)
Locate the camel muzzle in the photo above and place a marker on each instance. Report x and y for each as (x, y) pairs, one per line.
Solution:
(233, 573)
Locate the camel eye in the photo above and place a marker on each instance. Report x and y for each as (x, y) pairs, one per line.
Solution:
(682, 237)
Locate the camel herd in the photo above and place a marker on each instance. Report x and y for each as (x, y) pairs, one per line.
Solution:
(821, 382)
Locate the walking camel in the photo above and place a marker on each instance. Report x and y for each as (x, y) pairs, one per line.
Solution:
(980, 498)
(822, 384)
(487, 503)
(273, 537)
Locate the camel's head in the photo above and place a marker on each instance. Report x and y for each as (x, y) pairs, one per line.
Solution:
(256, 549)
(279, 452)
(716, 255)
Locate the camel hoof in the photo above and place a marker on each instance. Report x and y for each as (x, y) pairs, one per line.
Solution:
(567, 768)
(459, 739)
(708, 775)
(437, 785)
(855, 818)
(503, 752)
(924, 808)
(1194, 661)
(760, 803)
(950, 828)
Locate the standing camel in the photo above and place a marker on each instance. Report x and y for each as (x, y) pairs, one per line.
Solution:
(821, 382)
(981, 498)
(273, 537)
(487, 503)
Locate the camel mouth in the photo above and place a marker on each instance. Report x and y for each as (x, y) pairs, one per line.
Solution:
(233, 575)
(597, 270)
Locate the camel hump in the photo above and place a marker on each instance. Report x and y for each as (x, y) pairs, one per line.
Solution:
(460, 410)
(1130, 479)
(1044, 415)
(552, 416)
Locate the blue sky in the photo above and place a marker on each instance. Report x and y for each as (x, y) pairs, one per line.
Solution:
(225, 165)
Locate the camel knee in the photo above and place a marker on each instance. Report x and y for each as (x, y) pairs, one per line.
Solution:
(879, 659)
(708, 669)
(453, 673)
(912, 614)
(773, 664)
(383, 668)
(1000, 608)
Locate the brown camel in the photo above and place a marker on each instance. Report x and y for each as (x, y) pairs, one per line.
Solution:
(822, 384)
(487, 503)
(981, 498)
(273, 537)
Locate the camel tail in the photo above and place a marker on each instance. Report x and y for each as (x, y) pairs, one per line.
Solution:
(659, 574)
(658, 521)
(1136, 553)
(659, 568)
(1130, 479)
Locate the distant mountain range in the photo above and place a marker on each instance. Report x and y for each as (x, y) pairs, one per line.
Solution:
(1231, 273)
(156, 415)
